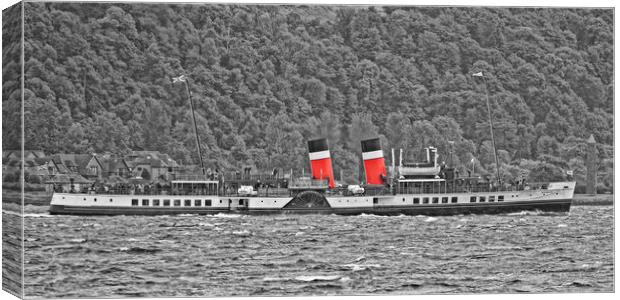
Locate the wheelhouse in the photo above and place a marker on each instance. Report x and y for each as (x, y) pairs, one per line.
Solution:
(194, 187)
(422, 186)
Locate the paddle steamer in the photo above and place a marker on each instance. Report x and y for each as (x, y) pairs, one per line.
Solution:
(425, 188)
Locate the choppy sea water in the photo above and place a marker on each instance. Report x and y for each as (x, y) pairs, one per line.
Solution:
(231, 255)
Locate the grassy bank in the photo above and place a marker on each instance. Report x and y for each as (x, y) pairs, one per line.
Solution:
(30, 197)
(584, 199)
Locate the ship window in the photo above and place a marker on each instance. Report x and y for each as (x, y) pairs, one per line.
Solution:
(208, 202)
(145, 202)
(425, 200)
(166, 202)
(454, 199)
(435, 199)
(500, 198)
(472, 199)
(444, 200)
(155, 202)
(110, 199)
(197, 202)
(240, 201)
(220, 200)
(482, 199)
(134, 202)
(403, 199)
(93, 199)
(375, 200)
(188, 202)
(491, 198)
(416, 200)
(177, 202)
(84, 199)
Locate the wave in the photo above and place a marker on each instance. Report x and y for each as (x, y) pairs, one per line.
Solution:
(275, 279)
(242, 233)
(309, 278)
(365, 215)
(361, 267)
(223, 215)
(139, 250)
(536, 213)
(38, 216)
(430, 219)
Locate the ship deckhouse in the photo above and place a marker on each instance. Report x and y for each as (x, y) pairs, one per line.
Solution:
(194, 186)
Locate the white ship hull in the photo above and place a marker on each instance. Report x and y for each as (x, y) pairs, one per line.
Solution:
(557, 197)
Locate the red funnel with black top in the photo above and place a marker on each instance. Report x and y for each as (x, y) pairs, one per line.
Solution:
(374, 163)
(320, 161)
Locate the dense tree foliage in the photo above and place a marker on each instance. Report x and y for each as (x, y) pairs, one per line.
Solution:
(266, 78)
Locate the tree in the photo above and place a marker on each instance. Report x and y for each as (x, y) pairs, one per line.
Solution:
(267, 78)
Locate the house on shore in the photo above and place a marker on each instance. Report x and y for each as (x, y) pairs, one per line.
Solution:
(152, 165)
(67, 183)
(34, 163)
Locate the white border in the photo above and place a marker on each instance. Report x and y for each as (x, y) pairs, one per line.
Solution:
(529, 3)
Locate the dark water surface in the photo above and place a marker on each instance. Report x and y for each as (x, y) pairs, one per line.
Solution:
(229, 255)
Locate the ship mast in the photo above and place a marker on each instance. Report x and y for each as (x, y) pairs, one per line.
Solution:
(184, 79)
(479, 74)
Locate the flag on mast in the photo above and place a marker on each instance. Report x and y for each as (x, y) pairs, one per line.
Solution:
(181, 78)
(479, 74)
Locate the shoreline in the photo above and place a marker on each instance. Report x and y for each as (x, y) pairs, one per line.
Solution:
(601, 199)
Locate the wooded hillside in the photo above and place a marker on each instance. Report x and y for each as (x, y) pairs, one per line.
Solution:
(266, 78)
